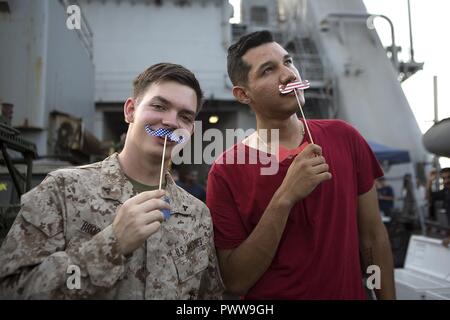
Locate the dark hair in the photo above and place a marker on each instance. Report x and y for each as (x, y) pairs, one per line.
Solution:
(167, 72)
(445, 170)
(237, 68)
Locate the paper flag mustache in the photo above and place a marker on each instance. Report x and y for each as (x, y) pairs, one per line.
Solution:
(164, 132)
(291, 87)
(294, 85)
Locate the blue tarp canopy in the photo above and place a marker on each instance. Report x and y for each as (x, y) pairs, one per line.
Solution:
(388, 154)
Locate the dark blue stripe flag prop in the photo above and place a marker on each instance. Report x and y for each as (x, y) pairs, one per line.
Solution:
(167, 134)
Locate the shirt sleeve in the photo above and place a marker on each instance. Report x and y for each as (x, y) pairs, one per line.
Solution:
(35, 257)
(229, 231)
(367, 166)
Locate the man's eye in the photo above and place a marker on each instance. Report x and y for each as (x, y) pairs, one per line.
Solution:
(289, 61)
(158, 107)
(187, 118)
(267, 70)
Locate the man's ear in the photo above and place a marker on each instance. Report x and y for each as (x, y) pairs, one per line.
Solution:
(128, 110)
(240, 93)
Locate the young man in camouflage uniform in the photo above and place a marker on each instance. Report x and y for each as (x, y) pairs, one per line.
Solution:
(103, 222)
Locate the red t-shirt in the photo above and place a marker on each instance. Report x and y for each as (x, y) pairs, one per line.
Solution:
(318, 255)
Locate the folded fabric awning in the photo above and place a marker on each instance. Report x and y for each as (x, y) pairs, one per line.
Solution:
(388, 154)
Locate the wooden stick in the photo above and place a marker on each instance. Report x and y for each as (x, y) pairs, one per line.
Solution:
(303, 115)
(162, 163)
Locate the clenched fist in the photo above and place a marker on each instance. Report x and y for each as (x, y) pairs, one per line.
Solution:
(305, 173)
(138, 218)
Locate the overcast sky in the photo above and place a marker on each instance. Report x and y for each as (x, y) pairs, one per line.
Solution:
(429, 22)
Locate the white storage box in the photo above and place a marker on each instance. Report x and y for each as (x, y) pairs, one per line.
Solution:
(427, 267)
(438, 294)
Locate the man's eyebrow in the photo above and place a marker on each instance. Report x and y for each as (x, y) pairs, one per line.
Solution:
(270, 62)
(265, 64)
(160, 99)
(189, 112)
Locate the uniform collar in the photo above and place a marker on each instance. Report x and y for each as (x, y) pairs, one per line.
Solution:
(180, 203)
(116, 186)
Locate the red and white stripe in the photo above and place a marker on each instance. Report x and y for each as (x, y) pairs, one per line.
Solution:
(294, 85)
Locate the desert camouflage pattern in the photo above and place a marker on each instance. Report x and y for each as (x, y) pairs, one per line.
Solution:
(66, 221)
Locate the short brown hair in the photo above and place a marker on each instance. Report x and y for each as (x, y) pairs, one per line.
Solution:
(167, 72)
(236, 66)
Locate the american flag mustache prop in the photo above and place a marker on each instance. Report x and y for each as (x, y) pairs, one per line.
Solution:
(164, 132)
(294, 86)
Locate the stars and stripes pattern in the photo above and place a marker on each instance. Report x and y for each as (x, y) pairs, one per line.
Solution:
(163, 132)
(294, 85)
(291, 87)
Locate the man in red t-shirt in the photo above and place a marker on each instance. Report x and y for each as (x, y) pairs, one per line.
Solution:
(298, 232)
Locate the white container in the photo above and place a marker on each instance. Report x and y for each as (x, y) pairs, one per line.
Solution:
(438, 294)
(427, 268)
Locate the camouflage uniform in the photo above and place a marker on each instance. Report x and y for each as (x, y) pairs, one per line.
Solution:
(66, 220)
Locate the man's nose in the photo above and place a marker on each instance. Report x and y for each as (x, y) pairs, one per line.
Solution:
(288, 75)
(170, 120)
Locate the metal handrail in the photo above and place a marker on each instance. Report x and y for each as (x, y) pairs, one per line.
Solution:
(369, 22)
